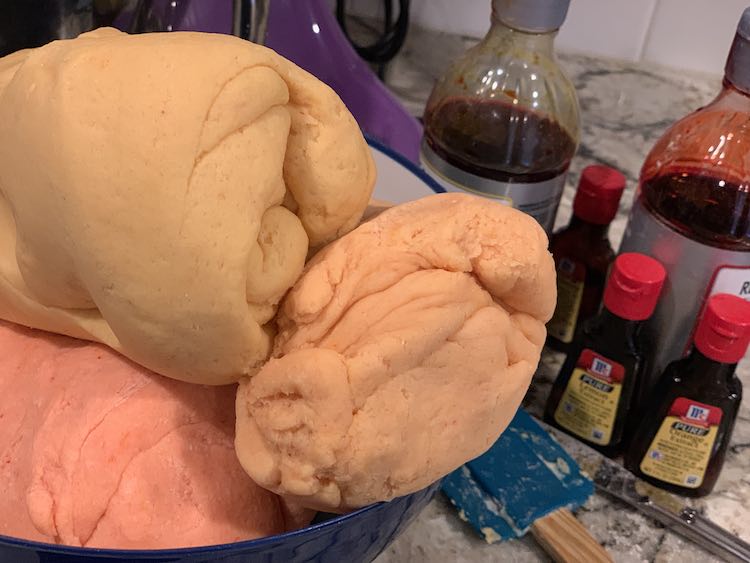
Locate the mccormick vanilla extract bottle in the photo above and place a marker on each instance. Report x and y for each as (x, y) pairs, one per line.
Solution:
(684, 429)
(593, 393)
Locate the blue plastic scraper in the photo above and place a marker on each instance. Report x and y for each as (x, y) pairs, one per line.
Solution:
(526, 481)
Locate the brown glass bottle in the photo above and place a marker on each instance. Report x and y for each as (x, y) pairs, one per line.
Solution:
(583, 253)
(684, 430)
(592, 394)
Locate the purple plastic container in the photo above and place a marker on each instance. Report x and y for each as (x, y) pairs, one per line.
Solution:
(307, 33)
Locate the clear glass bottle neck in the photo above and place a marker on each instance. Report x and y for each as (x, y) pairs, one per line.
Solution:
(732, 97)
(501, 33)
(737, 69)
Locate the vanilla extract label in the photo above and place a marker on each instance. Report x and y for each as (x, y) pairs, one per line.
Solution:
(571, 281)
(596, 384)
(588, 407)
(689, 429)
(680, 451)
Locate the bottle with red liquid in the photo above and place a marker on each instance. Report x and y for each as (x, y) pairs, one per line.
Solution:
(685, 428)
(692, 212)
(503, 121)
(583, 253)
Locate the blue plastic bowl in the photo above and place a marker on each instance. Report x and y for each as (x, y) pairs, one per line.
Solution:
(358, 536)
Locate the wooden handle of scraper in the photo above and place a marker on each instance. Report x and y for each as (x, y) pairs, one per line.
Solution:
(566, 540)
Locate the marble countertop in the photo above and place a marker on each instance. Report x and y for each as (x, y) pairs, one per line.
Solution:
(625, 108)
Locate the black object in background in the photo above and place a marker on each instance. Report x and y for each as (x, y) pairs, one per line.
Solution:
(390, 41)
(32, 23)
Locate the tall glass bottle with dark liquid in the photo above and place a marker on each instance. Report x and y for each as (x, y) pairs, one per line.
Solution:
(692, 212)
(503, 121)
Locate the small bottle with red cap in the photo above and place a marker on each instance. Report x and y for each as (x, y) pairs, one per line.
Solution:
(683, 435)
(583, 253)
(593, 393)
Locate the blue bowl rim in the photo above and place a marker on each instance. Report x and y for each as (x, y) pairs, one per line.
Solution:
(255, 543)
(406, 163)
(186, 551)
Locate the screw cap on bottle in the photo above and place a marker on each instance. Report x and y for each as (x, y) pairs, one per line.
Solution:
(634, 286)
(598, 195)
(533, 16)
(737, 69)
(723, 332)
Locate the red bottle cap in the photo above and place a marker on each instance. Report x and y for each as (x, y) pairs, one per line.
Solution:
(598, 195)
(723, 332)
(634, 286)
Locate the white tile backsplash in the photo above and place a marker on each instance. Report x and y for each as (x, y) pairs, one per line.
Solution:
(694, 34)
(611, 28)
(689, 34)
(464, 17)
(467, 17)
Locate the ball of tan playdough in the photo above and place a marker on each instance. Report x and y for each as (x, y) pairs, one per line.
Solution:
(403, 351)
(159, 193)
